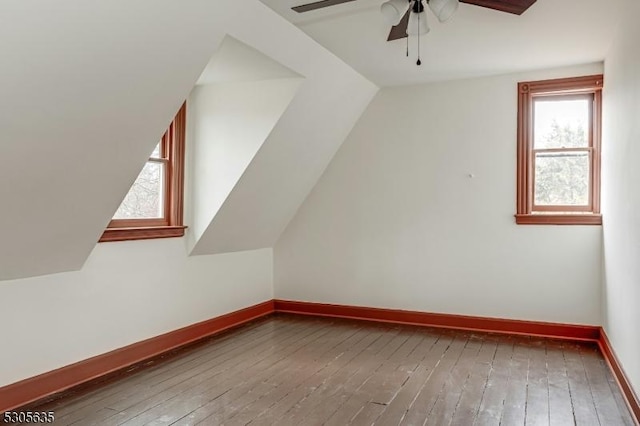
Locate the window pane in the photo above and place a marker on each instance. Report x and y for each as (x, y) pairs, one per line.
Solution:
(561, 123)
(156, 151)
(145, 198)
(562, 179)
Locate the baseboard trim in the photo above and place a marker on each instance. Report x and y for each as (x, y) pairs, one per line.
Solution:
(633, 402)
(459, 322)
(45, 385)
(484, 324)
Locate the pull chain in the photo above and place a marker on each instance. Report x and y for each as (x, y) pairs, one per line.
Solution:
(407, 42)
(407, 45)
(418, 62)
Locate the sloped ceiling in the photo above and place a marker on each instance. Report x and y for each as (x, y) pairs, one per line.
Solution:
(238, 100)
(235, 61)
(86, 90)
(328, 102)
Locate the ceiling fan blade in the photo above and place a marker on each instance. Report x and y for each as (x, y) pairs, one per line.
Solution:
(400, 31)
(517, 7)
(318, 5)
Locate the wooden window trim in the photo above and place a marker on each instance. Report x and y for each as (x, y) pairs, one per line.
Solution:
(573, 215)
(171, 225)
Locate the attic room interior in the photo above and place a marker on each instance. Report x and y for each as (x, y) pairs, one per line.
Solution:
(222, 212)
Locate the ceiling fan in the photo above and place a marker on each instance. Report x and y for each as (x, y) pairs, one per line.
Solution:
(404, 15)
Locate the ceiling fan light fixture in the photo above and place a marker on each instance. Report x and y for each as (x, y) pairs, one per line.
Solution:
(418, 24)
(394, 10)
(443, 9)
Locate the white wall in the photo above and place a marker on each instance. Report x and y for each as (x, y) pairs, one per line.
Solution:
(396, 221)
(81, 108)
(129, 291)
(126, 292)
(621, 195)
(228, 122)
(329, 101)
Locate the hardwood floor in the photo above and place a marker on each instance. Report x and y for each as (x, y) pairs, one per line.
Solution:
(290, 370)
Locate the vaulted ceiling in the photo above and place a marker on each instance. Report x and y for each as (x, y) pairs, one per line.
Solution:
(87, 89)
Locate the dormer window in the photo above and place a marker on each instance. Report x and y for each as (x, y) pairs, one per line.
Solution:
(153, 206)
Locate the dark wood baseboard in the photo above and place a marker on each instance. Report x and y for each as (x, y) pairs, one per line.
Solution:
(460, 322)
(623, 381)
(54, 382)
(44, 385)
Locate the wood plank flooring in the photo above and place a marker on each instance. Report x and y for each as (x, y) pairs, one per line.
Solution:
(291, 370)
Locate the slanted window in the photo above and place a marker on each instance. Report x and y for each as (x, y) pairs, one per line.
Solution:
(559, 151)
(153, 206)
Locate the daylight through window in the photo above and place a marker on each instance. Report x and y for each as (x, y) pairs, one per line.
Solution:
(145, 199)
(153, 206)
(559, 151)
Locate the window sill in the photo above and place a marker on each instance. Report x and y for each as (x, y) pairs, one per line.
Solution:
(141, 233)
(558, 219)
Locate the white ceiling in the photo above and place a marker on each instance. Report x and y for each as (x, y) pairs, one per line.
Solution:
(86, 90)
(235, 61)
(82, 105)
(328, 102)
(476, 41)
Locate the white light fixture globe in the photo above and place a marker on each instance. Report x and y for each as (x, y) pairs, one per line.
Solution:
(394, 10)
(417, 24)
(443, 9)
